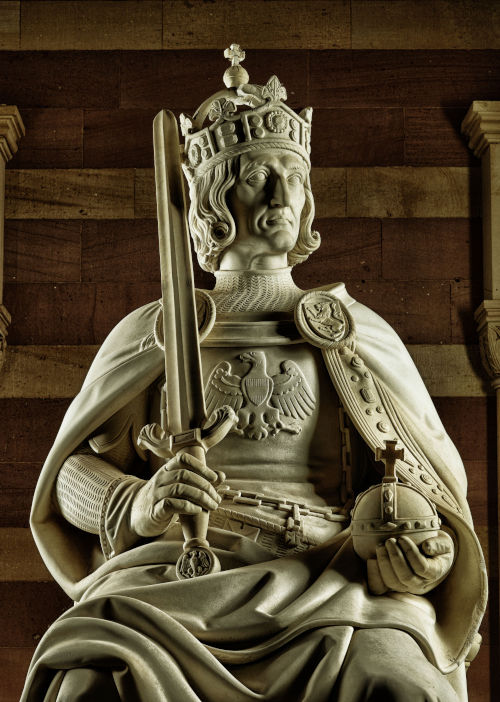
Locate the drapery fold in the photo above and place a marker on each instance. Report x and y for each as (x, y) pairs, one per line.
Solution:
(259, 610)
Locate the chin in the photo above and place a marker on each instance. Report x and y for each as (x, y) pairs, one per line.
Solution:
(282, 240)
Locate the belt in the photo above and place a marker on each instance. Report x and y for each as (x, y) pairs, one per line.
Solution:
(282, 535)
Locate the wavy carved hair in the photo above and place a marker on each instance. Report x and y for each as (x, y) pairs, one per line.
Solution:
(212, 225)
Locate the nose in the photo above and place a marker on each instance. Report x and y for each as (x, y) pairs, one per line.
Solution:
(280, 192)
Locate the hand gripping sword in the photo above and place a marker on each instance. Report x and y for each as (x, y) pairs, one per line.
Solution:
(184, 428)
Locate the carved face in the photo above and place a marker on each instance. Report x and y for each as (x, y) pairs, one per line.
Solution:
(267, 200)
(210, 216)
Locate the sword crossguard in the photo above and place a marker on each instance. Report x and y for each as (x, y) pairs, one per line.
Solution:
(166, 445)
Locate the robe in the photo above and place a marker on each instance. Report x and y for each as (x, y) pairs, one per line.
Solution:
(252, 631)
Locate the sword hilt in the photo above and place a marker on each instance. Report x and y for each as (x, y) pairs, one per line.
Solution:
(197, 558)
(160, 442)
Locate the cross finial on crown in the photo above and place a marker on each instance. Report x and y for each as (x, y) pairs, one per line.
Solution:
(235, 54)
(235, 75)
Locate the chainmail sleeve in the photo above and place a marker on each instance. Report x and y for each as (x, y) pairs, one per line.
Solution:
(84, 486)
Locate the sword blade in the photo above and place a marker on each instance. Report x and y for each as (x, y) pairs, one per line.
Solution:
(184, 382)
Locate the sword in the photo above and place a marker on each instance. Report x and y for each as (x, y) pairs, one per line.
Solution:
(185, 427)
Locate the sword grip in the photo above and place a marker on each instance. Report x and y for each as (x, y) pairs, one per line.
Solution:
(195, 526)
(197, 558)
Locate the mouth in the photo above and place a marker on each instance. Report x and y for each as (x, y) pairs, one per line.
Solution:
(278, 219)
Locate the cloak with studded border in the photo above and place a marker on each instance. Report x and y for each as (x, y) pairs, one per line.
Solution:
(211, 619)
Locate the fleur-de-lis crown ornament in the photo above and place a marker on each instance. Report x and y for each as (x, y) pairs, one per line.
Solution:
(243, 117)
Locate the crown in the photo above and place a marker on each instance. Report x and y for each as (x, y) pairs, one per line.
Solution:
(244, 118)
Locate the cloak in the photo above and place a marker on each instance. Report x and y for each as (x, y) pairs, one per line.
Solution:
(219, 630)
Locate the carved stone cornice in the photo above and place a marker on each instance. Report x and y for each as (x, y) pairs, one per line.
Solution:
(487, 317)
(482, 125)
(11, 130)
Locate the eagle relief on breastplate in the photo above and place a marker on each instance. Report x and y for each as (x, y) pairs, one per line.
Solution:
(255, 371)
(265, 404)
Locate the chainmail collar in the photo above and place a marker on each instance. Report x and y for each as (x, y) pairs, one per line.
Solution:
(255, 291)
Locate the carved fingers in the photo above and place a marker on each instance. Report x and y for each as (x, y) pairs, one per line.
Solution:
(185, 485)
(401, 566)
(441, 544)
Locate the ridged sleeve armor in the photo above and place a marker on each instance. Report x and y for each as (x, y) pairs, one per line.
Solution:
(83, 488)
(98, 478)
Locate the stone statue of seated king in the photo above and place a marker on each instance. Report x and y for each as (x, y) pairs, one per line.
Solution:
(316, 384)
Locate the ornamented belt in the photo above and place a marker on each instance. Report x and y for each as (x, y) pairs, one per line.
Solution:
(278, 537)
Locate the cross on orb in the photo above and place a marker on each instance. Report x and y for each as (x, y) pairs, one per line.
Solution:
(234, 54)
(389, 455)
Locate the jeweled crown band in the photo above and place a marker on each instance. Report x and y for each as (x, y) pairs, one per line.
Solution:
(272, 126)
(245, 148)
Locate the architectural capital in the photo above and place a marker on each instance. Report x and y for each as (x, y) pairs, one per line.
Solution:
(482, 125)
(487, 317)
(11, 130)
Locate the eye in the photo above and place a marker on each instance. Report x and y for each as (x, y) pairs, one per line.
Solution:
(296, 179)
(257, 178)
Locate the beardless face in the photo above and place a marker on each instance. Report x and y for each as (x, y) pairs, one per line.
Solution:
(266, 202)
